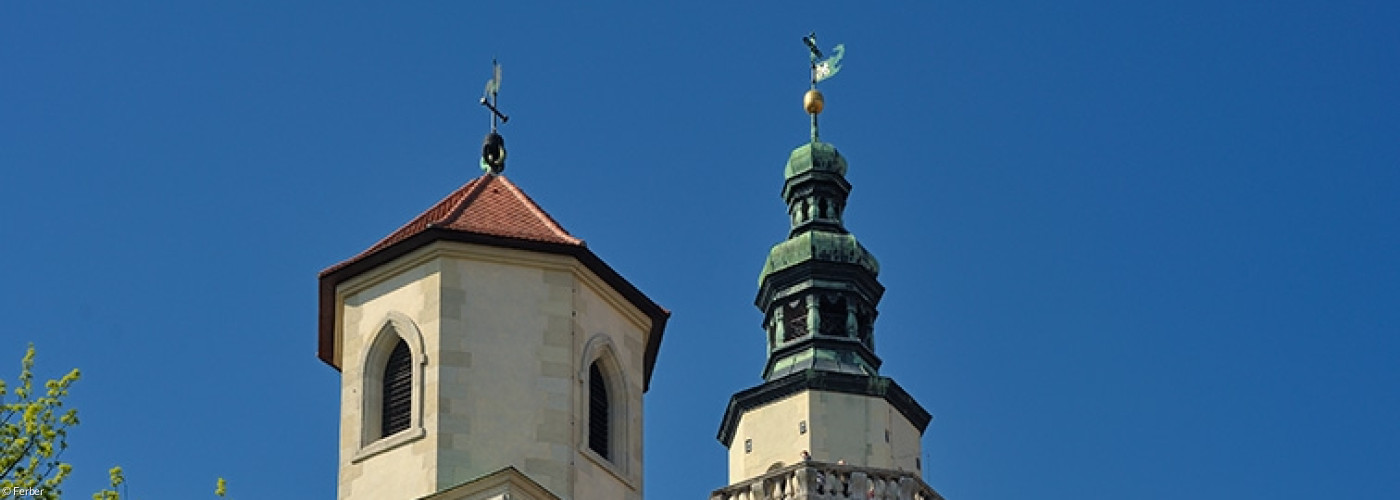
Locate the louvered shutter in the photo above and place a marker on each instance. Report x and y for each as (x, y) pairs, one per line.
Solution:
(597, 412)
(397, 410)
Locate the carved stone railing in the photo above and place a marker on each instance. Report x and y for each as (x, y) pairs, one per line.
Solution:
(824, 481)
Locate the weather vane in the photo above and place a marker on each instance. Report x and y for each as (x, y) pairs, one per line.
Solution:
(493, 149)
(822, 68)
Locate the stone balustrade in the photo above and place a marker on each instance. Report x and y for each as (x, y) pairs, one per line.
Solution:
(825, 481)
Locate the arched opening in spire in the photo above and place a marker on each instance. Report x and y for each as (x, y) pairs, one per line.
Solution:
(794, 320)
(833, 316)
(865, 327)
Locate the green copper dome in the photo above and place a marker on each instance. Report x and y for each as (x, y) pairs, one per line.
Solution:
(819, 246)
(819, 156)
(819, 288)
(819, 292)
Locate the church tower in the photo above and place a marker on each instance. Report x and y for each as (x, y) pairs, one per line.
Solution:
(824, 424)
(486, 353)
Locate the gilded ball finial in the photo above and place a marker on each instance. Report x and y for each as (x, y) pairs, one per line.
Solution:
(813, 102)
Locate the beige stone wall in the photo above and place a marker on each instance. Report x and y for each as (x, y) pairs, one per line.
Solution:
(906, 444)
(508, 336)
(852, 428)
(608, 327)
(506, 371)
(403, 471)
(774, 434)
(839, 427)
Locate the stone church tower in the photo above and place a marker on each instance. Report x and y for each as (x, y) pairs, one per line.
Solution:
(486, 353)
(824, 424)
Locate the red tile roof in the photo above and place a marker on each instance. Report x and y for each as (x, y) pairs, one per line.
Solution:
(488, 210)
(490, 205)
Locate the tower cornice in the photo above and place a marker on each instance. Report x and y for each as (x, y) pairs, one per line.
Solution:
(816, 380)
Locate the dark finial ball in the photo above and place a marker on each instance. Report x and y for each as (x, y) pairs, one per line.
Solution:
(493, 152)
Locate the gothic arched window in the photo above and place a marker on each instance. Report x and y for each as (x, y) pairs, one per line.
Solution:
(606, 405)
(391, 387)
(396, 412)
(599, 415)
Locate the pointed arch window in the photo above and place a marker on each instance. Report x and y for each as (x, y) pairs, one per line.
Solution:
(605, 406)
(391, 387)
(599, 412)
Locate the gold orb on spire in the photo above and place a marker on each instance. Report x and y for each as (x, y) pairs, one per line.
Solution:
(813, 102)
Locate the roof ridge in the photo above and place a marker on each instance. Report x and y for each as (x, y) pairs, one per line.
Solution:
(473, 208)
(409, 228)
(476, 186)
(539, 212)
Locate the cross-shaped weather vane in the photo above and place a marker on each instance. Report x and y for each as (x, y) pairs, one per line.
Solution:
(493, 149)
(822, 68)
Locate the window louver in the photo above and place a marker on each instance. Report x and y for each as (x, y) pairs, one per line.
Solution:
(398, 391)
(597, 412)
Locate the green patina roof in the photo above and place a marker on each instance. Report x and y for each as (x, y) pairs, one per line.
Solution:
(818, 245)
(819, 156)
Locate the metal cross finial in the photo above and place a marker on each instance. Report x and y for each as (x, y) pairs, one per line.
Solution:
(489, 97)
(493, 148)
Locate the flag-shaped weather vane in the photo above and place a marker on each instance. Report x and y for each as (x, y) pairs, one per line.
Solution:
(822, 68)
(493, 149)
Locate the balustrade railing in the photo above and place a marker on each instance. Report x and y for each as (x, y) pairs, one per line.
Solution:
(825, 481)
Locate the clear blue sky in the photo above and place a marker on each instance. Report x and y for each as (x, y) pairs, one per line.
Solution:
(1132, 249)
